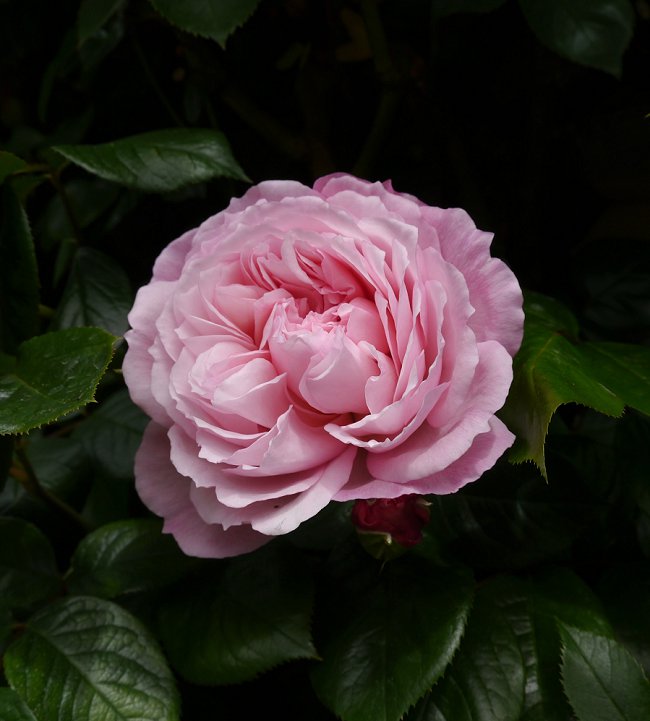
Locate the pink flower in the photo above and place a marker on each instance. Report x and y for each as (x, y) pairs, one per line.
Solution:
(313, 345)
(400, 519)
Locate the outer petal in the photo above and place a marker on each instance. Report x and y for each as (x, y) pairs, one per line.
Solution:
(167, 494)
(484, 452)
(169, 264)
(138, 362)
(494, 290)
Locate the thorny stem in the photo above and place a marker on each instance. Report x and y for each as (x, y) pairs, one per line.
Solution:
(29, 481)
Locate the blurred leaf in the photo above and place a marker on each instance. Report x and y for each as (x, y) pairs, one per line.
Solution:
(63, 62)
(93, 14)
(324, 530)
(60, 467)
(10, 163)
(442, 8)
(216, 20)
(126, 557)
(485, 681)
(58, 463)
(98, 293)
(512, 518)
(549, 370)
(159, 161)
(13, 708)
(89, 197)
(6, 621)
(84, 658)
(240, 618)
(99, 45)
(28, 572)
(18, 274)
(109, 499)
(387, 640)
(53, 374)
(112, 434)
(616, 294)
(590, 32)
(602, 680)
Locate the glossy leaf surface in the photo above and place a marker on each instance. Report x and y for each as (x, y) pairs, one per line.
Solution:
(160, 161)
(602, 680)
(233, 623)
(53, 374)
(387, 640)
(125, 557)
(83, 659)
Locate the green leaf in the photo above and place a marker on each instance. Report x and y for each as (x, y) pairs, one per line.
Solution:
(53, 374)
(623, 369)
(216, 20)
(590, 32)
(90, 198)
(625, 591)
(13, 708)
(442, 8)
(159, 161)
(549, 370)
(98, 293)
(239, 618)
(28, 571)
(532, 608)
(18, 274)
(112, 434)
(93, 14)
(84, 659)
(602, 680)
(126, 557)
(9, 164)
(485, 681)
(389, 637)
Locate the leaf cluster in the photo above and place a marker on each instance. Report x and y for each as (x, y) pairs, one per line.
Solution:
(125, 122)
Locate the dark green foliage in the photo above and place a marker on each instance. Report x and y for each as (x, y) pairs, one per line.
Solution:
(124, 124)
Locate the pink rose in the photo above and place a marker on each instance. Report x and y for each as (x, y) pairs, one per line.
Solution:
(313, 345)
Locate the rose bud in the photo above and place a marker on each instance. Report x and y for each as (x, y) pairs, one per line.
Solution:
(385, 522)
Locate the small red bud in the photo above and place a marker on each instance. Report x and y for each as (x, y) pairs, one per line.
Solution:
(399, 520)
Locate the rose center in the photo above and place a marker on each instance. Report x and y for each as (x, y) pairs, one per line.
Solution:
(328, 357)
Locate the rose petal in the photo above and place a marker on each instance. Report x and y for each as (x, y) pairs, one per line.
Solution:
(431, 449)
(167, 493)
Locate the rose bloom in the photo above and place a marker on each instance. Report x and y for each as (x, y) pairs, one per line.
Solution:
(313, 345)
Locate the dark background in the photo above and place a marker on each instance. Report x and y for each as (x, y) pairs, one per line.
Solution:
(468, 110)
